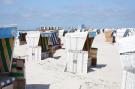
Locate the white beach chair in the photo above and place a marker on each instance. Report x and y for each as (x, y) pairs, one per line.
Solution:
(76, 57)
(127, 56)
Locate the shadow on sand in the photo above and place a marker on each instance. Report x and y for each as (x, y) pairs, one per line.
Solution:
(37, 86)
(90, 70)
(99, 66)
(58, 57)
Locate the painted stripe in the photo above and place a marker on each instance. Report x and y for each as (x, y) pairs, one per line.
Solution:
(42, 43)
(39, 42)
(1, 64)
(55, 38)
(52, 40)
(3, 57)
(9, 47)
(6, 52)
(45, 43)
(46, 40)
(11, 43)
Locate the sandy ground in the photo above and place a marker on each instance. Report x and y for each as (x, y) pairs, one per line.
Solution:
(49, 73)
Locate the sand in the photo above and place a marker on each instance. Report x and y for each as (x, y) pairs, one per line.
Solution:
(50, 73)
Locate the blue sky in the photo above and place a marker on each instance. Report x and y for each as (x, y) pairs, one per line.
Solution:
(93, 13)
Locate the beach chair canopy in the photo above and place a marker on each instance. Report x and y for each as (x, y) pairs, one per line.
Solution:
(121, 32)
(61, 32)
(126, 44)
(92, 34)
(7, 35)
(8, 32)
(32, 38)
(129, 32)
(126, 33)
(52, 37)
(75, 41)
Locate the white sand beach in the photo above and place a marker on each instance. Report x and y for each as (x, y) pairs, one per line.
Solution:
(50, 73)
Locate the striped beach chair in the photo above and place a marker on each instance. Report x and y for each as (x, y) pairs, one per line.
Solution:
(7, 35)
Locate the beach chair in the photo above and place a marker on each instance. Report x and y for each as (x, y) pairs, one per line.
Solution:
(77, 58)
(108, 35)
(7, 35)
(127, 56)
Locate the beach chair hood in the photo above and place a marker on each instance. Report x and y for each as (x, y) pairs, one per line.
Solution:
(126, 44)
(75, 41)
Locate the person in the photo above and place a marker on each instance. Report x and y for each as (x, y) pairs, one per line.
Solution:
(103, 30)
(98, 31)
(114, 36)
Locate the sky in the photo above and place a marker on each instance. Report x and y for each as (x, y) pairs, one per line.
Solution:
(30, 14)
